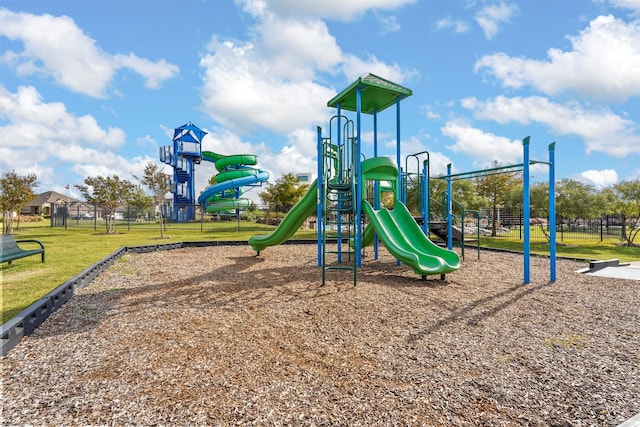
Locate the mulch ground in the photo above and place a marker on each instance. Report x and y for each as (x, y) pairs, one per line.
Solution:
(218, 336)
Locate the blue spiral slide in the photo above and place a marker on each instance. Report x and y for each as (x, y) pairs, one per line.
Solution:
(234, 172)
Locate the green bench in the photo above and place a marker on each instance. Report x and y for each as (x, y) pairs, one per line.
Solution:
(9, 249)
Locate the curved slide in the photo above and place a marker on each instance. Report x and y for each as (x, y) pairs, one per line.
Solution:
(399, 231)
(302, 210)
(233, 174)
(405, 240)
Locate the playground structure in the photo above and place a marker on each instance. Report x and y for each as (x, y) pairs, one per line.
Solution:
(234, 173)
(339, 195)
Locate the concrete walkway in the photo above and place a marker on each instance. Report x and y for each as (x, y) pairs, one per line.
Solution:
(629, 270)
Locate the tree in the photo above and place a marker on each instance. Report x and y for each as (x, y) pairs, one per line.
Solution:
(139, 203)
(628, 205)
(495, 187)
(109, 193)
(159, 184)
(15, 192)
(284, 193)
(605, 200)
(538, 197)
(575, 199)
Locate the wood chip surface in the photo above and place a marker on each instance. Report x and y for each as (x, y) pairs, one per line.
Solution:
(217, 336)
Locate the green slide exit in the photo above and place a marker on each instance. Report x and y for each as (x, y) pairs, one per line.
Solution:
(405, 240)
(302, 210)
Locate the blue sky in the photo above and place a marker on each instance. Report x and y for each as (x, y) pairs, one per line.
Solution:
(93, 88)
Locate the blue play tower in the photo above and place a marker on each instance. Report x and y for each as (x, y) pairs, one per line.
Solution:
(182, 156)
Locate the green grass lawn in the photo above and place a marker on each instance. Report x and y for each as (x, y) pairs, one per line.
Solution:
(578, 249)
(69, 252)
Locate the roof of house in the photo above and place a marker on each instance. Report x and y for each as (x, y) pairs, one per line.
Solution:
(51, 197)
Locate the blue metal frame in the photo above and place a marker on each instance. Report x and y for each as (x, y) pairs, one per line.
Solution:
(526, 196)
(552, 212)
(526, 207)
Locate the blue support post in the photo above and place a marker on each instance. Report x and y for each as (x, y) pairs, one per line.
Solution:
(376, 183)
(320, 187)
(191, 212)
(552, 213)
(425, 197)
(527, 213)
(400, 194)
(449, 210)
(339, 177)
(360, 181)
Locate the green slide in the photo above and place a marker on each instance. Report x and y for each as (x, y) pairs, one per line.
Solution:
(399, 232)
(305, 207)
(404, 239)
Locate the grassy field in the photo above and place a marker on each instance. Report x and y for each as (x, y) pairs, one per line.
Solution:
(576, 248)
(69, 252)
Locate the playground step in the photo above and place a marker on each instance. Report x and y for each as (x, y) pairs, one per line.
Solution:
(343, 208)
(343, 221)
(340, 252)
(344, 186)
(338, 267)
(346, 199)
(342, 197)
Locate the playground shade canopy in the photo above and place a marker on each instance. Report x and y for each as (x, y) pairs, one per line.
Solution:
(376, 94)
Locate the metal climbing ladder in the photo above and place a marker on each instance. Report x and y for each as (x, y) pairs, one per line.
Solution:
(339, 203)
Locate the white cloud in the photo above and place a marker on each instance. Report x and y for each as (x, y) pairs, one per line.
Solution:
(66, 54)
(241, 93)
(483, 148)
(628, 4)
(430, 113)
(416, 146)
(269, 84)
(37, 123)
(601, 130)
(457, 25)
(286, 47)
(271, 81)
(51, 135)
(326, 9)
(388, 23)
(604, 63)
(599, 179)
(354, 67)
(492, 15)
(155, 73)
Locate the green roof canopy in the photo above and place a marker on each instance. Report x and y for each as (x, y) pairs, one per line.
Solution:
(377, 94)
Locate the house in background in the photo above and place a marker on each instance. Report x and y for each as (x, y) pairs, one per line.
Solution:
(43, 202)
(41, 205)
